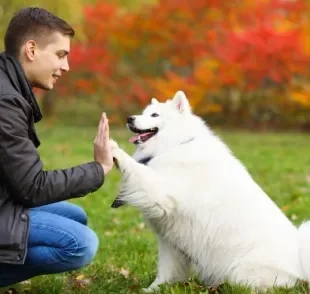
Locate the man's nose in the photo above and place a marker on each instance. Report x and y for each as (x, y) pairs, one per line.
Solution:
(65, 66)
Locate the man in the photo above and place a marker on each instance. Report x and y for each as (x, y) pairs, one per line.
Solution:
(40, 233)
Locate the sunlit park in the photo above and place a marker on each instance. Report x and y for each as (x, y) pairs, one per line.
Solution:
(245, 68)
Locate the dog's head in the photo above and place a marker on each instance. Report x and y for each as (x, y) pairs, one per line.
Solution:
(158, 119)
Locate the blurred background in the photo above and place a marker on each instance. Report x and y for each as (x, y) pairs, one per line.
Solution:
(242, 64)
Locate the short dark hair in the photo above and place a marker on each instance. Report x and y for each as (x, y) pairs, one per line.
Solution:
(33, 23)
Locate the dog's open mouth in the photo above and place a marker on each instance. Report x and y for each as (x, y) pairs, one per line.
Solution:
(141, 135)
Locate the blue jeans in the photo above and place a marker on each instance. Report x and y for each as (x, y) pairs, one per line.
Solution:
(59, 241)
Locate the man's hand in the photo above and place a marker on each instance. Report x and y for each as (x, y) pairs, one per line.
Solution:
(102, 146)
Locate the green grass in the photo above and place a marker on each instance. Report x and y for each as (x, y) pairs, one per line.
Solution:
(126, 261)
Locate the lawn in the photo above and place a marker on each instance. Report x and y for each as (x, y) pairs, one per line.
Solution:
(126, 261)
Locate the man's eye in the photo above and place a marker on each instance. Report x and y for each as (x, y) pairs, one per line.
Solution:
(154, 114)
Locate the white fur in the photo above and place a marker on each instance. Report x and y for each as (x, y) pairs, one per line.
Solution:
(205, 207)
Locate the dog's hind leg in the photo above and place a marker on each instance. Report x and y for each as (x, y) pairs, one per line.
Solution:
(142, 187)
(172, 266)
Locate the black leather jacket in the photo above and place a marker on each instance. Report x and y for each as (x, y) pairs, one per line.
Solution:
(23, 182)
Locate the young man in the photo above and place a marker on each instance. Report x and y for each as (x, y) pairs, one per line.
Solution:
(40, 233)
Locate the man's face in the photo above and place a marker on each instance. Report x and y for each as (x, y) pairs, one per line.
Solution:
(47, 63)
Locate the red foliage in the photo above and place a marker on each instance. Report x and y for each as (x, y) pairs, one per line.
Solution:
(199, 46)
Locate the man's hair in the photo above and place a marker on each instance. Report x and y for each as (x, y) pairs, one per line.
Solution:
(33, 23)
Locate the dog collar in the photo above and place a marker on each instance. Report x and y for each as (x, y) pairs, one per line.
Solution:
(146, 160)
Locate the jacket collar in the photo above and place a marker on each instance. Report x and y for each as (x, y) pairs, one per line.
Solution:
(16, 74)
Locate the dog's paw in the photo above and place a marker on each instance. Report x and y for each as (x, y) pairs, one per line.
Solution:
(151, 290)
(119, 157)
(117, 154)
(116, 151)
(114, 144)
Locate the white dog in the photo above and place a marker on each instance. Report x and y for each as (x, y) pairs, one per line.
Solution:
(206, 209)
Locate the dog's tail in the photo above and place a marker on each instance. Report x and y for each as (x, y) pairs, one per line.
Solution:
(304, 248)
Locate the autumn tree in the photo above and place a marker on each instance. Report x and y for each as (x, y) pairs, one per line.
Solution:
(244, 61)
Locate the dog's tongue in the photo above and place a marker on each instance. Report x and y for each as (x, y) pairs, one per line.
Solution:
(138, 137)
(134, 138)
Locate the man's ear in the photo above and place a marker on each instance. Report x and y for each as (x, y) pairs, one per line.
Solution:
(29, 49)
(181, 102)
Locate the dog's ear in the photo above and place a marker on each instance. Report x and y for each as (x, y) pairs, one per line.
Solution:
(154, 101)
(181, 102)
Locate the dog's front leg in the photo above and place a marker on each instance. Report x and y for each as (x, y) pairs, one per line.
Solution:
(172, 266)
(141, 186)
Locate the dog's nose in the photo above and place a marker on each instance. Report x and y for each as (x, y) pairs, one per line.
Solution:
(130, 119)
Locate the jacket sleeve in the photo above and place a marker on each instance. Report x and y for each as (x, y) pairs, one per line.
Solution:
(22, 169)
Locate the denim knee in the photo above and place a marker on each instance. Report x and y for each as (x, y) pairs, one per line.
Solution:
(77, 213)
(86, 250)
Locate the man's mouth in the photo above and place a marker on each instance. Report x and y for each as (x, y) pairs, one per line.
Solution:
(56, 77)
(141, 135)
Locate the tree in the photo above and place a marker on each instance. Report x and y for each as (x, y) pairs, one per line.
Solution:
(238, 60)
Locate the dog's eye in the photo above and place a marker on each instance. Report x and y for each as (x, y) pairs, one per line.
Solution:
(154, 114)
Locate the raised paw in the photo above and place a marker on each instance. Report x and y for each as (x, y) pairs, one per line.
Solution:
(113, 143)
(117, 153)
(119, 156)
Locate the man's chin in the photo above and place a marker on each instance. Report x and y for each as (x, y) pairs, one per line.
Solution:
(41, 86)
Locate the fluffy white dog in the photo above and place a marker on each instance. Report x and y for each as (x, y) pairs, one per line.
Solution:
(205, 208)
